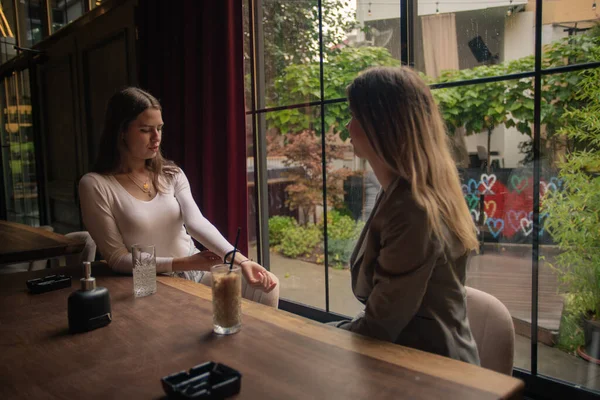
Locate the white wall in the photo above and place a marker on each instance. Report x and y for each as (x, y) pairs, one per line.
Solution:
(390, 9)
(519, 41)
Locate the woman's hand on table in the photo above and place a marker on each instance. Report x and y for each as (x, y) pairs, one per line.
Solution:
(257, 276)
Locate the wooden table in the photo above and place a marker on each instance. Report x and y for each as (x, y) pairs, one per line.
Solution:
(280, 355)
(20, 243)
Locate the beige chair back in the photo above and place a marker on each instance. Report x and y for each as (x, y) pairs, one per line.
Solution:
(493, 330)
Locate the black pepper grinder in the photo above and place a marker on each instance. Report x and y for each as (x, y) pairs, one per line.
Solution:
(89, 307)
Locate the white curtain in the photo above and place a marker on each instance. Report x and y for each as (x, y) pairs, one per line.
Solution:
(440, 48)
(440, 52)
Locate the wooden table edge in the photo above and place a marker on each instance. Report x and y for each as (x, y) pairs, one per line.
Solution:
(469, 375)
(66, 247)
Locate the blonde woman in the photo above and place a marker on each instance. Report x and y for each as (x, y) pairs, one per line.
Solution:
(408, 267)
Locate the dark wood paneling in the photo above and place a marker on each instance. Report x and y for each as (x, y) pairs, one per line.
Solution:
(61, 139)
(83, 69)
(105, 70)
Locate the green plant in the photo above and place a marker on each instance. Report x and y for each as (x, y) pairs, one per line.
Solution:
(278, 225)
(570, 334)
(299, 45)
(300, 83)
(300, 241)
(306, 192)
(573, 214)
(341, 227)
(340, 251)
(342, 234)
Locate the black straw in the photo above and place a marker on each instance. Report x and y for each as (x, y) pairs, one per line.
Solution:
(237, 238)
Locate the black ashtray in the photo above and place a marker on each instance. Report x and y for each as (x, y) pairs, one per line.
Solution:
(48, 283)
(205, 381)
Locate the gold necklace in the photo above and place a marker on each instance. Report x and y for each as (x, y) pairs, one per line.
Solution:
(145, 187)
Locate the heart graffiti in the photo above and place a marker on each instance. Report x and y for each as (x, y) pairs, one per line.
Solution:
(518, 183)
(526, 226)
(514, 218)
(488, 182)
(473, 186)
(545, 187)
(465, 189)
(473, 201)
(475, 214)
(490, 208)
(495, 225)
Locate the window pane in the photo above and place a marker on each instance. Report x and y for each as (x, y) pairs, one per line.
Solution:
(247, 55)
(96, 3)
(18, 153)
(295, 198)
(30, 22)
(571, 225)
(497, 36)
(357, 35)
(569, 28)
(290, 49)
(351, 191)
(64, 12)
(497, 185)
(7, 31)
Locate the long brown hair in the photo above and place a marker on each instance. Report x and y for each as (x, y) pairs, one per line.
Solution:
(396, 109)
(123, 108)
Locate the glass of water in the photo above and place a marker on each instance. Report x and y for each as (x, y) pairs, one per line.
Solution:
(144, 270)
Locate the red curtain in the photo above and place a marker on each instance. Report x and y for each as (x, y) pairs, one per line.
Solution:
(191, 59)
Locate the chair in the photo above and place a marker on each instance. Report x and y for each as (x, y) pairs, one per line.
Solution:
(494, 156)
(40, 264)
(88, 253)
(493, 330)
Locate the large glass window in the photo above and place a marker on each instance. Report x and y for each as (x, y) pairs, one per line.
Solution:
(8, 30)
(18, 150)
(64, 12)
(30, 15)
(529, 168)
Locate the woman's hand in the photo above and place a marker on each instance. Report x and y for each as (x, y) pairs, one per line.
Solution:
(196, 262)
(257, 276)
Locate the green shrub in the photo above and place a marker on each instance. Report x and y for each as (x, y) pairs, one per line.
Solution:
(300, 240)
(570, 334)
(343, 233)
(339, 251)
(277, 226)
(342, 227)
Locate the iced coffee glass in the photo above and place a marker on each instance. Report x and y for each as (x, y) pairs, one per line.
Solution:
(227, 299)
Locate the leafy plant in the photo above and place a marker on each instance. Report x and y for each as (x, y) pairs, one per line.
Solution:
(340, 251)
(574, 215)
(342, 227)
(570, 334)
(304, 150)
(300, 83)
(278, 225)
(300, 240)
(291, 35)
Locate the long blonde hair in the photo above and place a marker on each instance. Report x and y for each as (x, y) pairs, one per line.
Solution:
(397, 111)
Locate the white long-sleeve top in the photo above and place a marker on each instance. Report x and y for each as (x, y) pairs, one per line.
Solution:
(116, 221)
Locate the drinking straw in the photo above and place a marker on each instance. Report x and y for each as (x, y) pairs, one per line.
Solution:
(237, 238)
